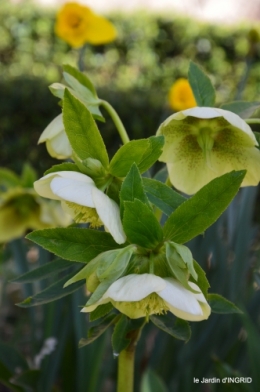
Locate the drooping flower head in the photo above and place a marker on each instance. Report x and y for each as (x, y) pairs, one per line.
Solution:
(82, 200)
(77, 25)
(55, 137)
(146, 294)
(181, 96)
(204, 143)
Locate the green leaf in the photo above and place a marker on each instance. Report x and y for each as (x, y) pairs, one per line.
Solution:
(242, 108)
(100, 311)
(44, 271)
(132, 188)
(29, 379)
(111, 268)
(100, 290)
(81, 78)
(66, 166)
(162, 196)
(82, 130)
(257, 136)
(141, 226)
(98, 330)
(221, 305)
(28, 176)
(73, 243)
(199, 212)
(201, 85)
(151, 382)
(119, 340)
(186, 256)
(175, 327)
(143, 153)
(8, 178)
(51, 293)
(202, 280)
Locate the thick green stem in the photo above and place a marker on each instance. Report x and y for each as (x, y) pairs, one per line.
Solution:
(118, 123)
(125, 378)
(252, 120)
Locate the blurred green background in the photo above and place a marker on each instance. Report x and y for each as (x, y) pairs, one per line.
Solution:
(134, 74)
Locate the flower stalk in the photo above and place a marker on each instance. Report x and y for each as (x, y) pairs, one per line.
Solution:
(126, 358)
(118, 123)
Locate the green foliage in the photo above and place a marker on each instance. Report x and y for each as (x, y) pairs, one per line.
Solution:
(122, 330)
(196, 214)
(140, 225)
(95, 332)
(201, 85)
(73, 243)
(144, 153)
(152, 383)
(65, 166)
(221, 305)
(175, 327)
(242, 108)
(82, 130)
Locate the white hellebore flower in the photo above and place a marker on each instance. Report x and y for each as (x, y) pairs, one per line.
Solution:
(141, 295)
(82, 200)
(204, 143)
(57, 142)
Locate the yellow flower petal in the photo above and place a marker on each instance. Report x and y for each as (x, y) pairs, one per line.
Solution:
(181, 96)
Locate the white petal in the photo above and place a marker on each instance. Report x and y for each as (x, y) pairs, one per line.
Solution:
(75, 191)
(109, 213)
(53, 129)
(59, 146)
(183, 303)
(134, 287)
(42, 186)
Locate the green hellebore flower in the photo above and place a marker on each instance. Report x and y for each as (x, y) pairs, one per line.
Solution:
(55, 137)
(21, 209)
(204, 143)
(146, 294)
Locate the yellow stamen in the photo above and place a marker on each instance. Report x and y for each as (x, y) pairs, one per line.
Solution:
(85, 214)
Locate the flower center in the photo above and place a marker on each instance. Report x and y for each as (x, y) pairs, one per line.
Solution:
(152, 304)
(85, 214)
(74, 20)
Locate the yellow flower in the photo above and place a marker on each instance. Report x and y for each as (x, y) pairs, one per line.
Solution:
(204, 143)
(181, 96)
(77, 24)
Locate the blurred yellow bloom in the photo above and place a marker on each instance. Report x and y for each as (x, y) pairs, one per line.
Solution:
(77, 24)
(181, 96)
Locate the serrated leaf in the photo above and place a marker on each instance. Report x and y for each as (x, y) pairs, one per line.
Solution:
(82, 131)
(51, 293)
(162, 196)
(241, 108)
(175, 327)
(74, 244)
(221, 305)
(141, 226)
(201, 85)
(143, 153)
(151, 382)
(100, 311)
(98, 330)
(132, 188)
(44, 271)
(199, 212)
(66, 166)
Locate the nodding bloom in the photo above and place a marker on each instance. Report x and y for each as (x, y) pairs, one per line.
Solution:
(55, 137)
(77, 24)
(204, 143)
(146, 294)
(81, 199)
(180, 96)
